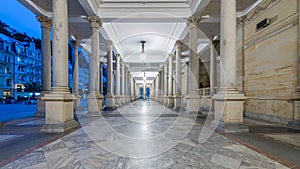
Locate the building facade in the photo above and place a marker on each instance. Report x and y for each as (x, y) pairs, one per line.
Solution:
(20, 64)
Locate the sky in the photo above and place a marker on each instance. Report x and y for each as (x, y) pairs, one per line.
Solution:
(14, 14)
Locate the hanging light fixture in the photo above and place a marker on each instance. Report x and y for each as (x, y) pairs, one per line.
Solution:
(143, 55)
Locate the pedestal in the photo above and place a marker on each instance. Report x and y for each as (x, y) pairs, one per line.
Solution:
(193, 103)
(94, 103)
(177, 102)
(59, 112)
(110, 102)
(77, 102)
(170, 101)
(229, 108)
(118, 100)
(41, 107)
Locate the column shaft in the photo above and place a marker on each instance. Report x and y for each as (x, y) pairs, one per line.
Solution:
(178, 68)
(46, 53)
(170, 77)
(60, 46)
(110, 78)
(212, 74)
(118, 78)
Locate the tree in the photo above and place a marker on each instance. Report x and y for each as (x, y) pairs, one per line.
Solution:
(32, 87)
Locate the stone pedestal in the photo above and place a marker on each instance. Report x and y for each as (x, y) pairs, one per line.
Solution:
(110, 102)
(170, 101)
(229, 109)
(60, 112)
(77, 102)
(41, 107)
(94, 103)
(118, 100)
(177, 102)
(193, 103)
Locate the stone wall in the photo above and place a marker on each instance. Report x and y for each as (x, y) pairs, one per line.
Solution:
(270, 58)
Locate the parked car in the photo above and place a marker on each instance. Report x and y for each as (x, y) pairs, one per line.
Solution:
(9, 100)
(31, 100)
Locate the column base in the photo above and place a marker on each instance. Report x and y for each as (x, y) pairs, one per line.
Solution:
(170, 101)
(118, 100)
(41, 105)
(193, 103)
(59, 128)
(177, 102)
(229, 107)
(295, 124)
(94, 103)
(110, 102)
(59, 112)
(77, 102)
(223, 127)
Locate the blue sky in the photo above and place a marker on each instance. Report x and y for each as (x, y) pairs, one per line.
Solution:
(20, 18)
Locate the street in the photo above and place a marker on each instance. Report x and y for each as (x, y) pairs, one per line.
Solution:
(16, 111)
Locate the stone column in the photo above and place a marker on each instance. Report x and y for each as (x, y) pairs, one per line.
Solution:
(193, 98)
(94, 97)
(101, 78)
(46, 64)
(165, 101)
(110, 101)
(161, 94)
(123, 83)
(118, 99)
(229, 104)
(75, 75)
(127, 85)
(59, 102)
(157, 87)
(212, 72)
(170, 97)
(131, 88)
(178, 81)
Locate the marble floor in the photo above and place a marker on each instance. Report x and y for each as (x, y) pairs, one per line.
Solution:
(143, 135)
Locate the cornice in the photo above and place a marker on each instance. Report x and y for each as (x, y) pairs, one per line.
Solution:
(259, 9)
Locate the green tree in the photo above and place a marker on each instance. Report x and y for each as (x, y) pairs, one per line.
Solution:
(32, 87)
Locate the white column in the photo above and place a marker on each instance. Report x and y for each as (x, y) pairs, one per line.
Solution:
(59, 102)
(101, 77)
(193, 98)
(123, 83)
(75, 75)
(127, 85)
(212, 72)
(110, 102)
(170, 99)
(178, 81)
(94, 97)
(228, 102)
(131, 88)
(118, 99)
(165, 83)
(157, 87)
(46, 63)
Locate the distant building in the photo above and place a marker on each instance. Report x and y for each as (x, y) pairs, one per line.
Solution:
(20, 62)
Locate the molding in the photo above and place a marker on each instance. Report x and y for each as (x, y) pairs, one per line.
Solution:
(260, 8)
(272, 30)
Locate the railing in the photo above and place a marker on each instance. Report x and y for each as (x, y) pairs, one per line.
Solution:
(204, 91)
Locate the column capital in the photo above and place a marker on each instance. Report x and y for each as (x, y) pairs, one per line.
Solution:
(178, 43)
(193, 20)
(95, 21)
(118, 56)
(45, 21)
(75, 43)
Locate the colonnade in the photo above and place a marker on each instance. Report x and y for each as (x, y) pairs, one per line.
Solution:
(59, 102)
